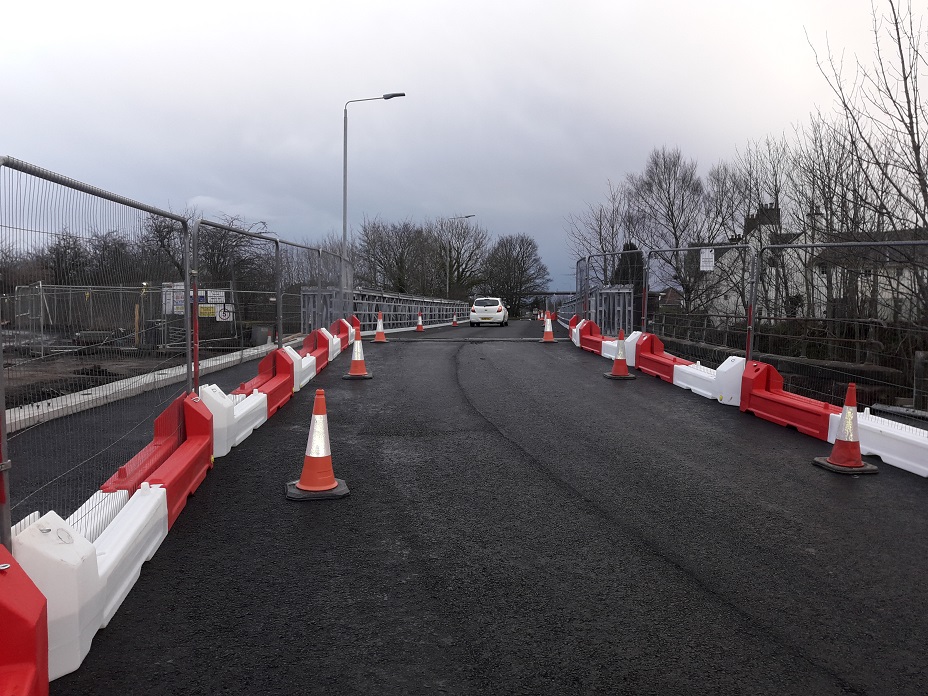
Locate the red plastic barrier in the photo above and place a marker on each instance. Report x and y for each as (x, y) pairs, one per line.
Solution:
(275, 378)
(591, 339)
(185, 470)
(762, 394)
(651, 359)
(340, 331)
(321, 350)
(574, 320)
(24, 632)
(355, 322)
(169, 434)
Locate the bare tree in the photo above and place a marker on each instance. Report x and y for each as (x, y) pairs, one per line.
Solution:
(600, 231)
(886, 115)
(461, 246)
(514, 270)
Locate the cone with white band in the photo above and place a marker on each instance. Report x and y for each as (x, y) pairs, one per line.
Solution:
(419, 324)
(380, 336)
(619, 365)
(454, 320)
(845, 455)
(317, 481)
(357, 370)
(549, 333)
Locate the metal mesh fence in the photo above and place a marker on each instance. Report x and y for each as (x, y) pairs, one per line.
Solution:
(698, 300)
(830, 314)
(823, 314)
(83, 276)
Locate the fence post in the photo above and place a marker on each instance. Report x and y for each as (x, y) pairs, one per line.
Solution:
(280, 295)
(752, 298)
(6, 520)
(190, 307)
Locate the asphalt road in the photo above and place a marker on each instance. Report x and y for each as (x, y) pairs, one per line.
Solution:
(519, 525)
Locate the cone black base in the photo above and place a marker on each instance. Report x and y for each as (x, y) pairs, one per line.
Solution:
(609, 375)
(865, 469)
(366, 375)
(294, 493)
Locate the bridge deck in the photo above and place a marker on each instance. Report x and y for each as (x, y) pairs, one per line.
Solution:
(518, 524)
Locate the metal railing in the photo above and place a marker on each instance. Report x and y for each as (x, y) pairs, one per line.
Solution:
(824, 314)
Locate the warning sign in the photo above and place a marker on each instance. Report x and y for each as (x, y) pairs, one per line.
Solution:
(224, 313)
(216, 296)
(707, 259)
(207, 310)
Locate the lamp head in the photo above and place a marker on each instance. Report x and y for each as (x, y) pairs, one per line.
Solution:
(394, 94)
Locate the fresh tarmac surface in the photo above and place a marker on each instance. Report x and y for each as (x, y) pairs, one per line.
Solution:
(519, 525)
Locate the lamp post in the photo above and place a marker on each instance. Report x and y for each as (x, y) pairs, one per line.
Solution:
(344, 275)
(448, 270)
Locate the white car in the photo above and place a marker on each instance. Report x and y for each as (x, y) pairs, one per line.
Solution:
(489, 310)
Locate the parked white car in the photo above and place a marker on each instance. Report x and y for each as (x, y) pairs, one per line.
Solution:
(489, 310)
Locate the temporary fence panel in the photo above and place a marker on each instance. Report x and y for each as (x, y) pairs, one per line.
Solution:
(832, 313)
(699, 299)
(86, 270)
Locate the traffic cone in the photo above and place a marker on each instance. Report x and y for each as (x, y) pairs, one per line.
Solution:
(454, 320)
(380, 336)
(619, 366)
(419, 325)
(357, 369)
(845, 455)
(317, 482)
(549, 333)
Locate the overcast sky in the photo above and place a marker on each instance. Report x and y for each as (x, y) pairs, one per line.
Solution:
(516, 111)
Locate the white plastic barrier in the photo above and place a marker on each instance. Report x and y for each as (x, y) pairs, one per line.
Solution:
(335, 344)
(722, 384)
(235, 416)
(610, 348)
(85, 583)
(304, 369)
(91, 518)
(128, 541)
(900, 445)
(575, 334)
(63, 565)
(350, 330)
(31, 518)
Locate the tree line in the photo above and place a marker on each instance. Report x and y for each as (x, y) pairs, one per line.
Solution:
(857, 175)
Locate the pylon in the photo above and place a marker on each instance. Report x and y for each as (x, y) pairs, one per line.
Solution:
(317, 482)
(419, 324)
(357, 369)
(454, 320)
(549, 333)
(619, 365)
(380, 336)
(845, 455)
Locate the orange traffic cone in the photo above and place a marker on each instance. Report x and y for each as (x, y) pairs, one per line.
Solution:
(380, 336)
(419, 325)
(317, 482)
(845, 455)
(549, 333)
(454, 320)
(357, 369)
(619, 365)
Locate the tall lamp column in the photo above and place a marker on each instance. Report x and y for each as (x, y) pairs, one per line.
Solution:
(344, 264)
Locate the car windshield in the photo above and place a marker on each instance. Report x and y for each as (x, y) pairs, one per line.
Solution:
(486, 302)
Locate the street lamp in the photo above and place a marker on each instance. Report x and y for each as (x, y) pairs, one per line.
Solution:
(448, 243)
(344, 275)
